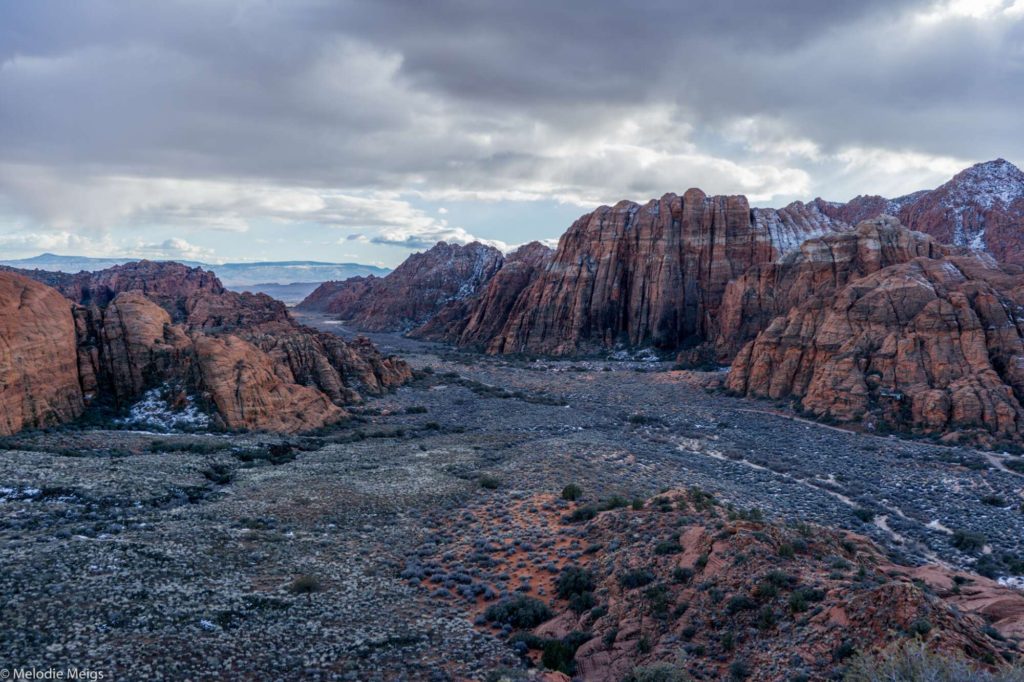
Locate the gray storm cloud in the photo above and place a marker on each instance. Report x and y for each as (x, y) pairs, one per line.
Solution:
(222, 113)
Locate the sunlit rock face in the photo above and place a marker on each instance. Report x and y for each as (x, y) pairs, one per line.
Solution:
(934, 345)
(38, 369)
(147, 325)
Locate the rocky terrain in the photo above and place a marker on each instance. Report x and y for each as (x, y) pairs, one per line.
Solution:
(982, 208)
(932, 345)
(476, 320)
(374, 550)
(131, 329)
(413, 293)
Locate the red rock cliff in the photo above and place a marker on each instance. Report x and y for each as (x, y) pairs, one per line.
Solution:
(933, 345)
(412, 294)
(648, 275)
(38, 360)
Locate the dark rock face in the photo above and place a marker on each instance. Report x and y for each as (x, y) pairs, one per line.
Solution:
(412, 294)
(38, 370)
(142, 325)
(651, 275)
(934, 345)
(477, 320)
(819, 268)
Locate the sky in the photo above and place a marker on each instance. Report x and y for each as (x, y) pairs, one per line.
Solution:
(342, 130)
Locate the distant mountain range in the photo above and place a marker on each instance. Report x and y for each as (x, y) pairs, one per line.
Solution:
(282, 277)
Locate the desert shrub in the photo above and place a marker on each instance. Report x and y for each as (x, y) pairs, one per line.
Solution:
(668, 547)
(844, 651)
(558, 655)
(657, 601)
(682, 575)
(739, 670)
(865, 515)
(489, 482)
(659, 672)
(572, 492)
(968, 542)
(740, 602)
(912, 662)
(305, 584)
(582, 602)
(221, 474)
(574, 580)
(637, 577)
(799, 600)
(519, 612)
(921, 627)
(613, 502)
(609, 637)
(638, 504)
(766, 618)
(581, 514)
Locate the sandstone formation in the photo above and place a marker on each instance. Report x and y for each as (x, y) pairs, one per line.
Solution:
(649, 275)
(244, 386)
(413, 293)
(144, 325)
(683, 573)
(38, 371)
(820, 267)
(981, 207)
(933, 344)
(475, 321)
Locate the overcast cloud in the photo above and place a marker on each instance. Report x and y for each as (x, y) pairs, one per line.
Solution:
(348, 130)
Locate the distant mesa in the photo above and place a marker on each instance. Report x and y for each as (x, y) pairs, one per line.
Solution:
(233, 275)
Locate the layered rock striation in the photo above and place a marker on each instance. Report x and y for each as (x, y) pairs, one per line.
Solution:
(475, 321)
(650, 275)
(934, 345)
(820, 267)
(413, 293)
(38, 362)
(144, 325)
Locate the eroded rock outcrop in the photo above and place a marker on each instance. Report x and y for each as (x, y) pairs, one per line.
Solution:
(475, 321)
(649, 275)
(413, 293)
(682, 571)
(247, 388)
(143, 325)
(982, 208)
(933, 345)
(38, 359)
(820, 267)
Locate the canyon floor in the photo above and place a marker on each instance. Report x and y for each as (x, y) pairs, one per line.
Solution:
(214, 556)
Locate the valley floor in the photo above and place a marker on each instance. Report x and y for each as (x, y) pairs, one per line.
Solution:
(154, 556)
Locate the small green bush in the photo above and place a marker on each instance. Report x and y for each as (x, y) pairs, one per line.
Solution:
(572, 492)
(519, 612)
(574, 580)
(637, 577)
(489, 482)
